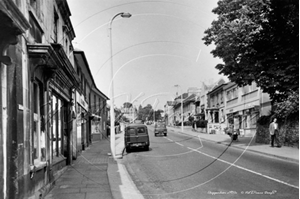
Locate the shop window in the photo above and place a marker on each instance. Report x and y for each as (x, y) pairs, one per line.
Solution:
(57, 126)
(38, 134)
(253, 120)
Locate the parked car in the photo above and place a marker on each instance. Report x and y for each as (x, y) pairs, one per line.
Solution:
(160, 128)
(136, 136)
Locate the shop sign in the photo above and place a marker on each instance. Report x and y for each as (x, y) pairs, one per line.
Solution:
(81, 101)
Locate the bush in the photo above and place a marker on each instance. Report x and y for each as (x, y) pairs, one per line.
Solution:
(288, 134)
(262, 134)
(264, 120)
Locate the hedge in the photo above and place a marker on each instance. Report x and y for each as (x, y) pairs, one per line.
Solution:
(288, 134)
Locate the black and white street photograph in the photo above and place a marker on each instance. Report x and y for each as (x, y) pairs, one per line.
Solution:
(149, 99)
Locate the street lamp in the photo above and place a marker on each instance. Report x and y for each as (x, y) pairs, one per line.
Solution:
(181, 107)
(112, 113)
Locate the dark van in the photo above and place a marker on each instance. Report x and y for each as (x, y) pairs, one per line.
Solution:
(136, 135)
(160, 129)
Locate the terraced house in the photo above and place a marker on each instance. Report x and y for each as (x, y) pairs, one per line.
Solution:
(38, 98)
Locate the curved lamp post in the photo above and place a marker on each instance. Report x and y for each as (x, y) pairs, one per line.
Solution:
(181, 107)
(112, 110)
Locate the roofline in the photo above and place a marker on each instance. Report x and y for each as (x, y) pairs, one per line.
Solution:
(89, 71)
(217, 88)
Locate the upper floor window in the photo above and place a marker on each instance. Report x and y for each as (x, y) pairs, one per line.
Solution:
(55, 26)
(35, 30)
(234, 93)
(229, 95)
(250, 88)
(33, 4)
(221, 98)
(36, 7)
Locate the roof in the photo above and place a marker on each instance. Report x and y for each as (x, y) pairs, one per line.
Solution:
(190, 98)
(84, 59)
(136, 125)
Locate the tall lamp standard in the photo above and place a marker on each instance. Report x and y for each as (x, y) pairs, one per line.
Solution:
(181, 107)
(112, 110)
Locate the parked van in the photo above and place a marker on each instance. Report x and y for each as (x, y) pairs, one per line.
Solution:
(136, 135)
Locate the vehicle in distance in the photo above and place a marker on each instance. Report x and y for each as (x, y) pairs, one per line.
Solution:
(136, 136)
(160, 128)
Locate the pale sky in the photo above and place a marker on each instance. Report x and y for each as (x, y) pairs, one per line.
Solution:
(158, 47)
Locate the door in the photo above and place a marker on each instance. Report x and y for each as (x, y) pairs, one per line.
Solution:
(142, 135)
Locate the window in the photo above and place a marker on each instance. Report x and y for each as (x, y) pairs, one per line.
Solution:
(100, 107)
(33, 3)
(141, 130)
(35, 30)
(38, 134)
(229, 95)
(131, 131)
(57, 126)
(250, 88)
(95, 104)
(216, 117)
(253, 86)
(234, 93)
(253, 120)
(246, 89)
(55, 27)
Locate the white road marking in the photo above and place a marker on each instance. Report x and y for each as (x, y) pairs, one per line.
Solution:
(179, 143)
(245, 169)
(169, 139)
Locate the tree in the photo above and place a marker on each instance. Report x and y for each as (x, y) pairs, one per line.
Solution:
(127, 105)
(144, 113)
(258, 40)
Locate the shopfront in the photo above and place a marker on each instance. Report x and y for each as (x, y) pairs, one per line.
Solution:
(244, 120)
(81, 121)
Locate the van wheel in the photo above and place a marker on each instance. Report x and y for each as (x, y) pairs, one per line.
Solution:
(147, 148)
(155, 134)
(165, 134)
(127, 149)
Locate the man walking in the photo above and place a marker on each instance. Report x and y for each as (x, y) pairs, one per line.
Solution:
(273, 128)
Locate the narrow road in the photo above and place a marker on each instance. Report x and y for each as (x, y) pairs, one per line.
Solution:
(181, 166)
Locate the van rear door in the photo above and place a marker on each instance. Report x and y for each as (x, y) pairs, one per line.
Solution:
(142, 135)
(131, 135)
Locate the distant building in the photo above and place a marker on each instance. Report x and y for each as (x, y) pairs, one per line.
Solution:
(130, 113)
(215, 110)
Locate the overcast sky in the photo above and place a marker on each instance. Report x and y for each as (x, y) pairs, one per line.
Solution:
(158, 47)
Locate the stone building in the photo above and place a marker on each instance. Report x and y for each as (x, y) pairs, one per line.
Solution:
(38, 98)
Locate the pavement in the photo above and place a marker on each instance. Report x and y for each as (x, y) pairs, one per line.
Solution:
(244, 143)
(96, 175)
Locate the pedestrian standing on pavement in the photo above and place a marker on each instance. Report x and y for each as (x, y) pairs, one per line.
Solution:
(273, 128)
